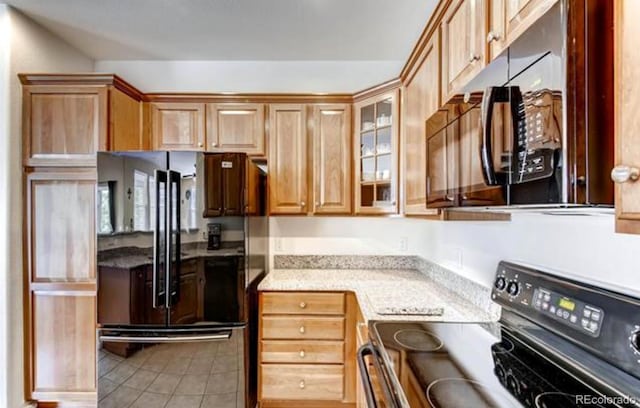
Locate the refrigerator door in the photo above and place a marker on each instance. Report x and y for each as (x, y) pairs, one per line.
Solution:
(173, 240)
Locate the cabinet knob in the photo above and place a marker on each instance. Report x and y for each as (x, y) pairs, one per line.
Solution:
(449, 198)
(492, 36)
(474, 58)
(302, 354)
(214, 144)
(302, 203)
(200, 144)
(622, 174)
(302, 305)
(302, 330)
(302, 384)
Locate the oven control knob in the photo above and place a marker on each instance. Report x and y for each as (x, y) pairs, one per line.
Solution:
(513, 288)
(635, 341)
(500, 283)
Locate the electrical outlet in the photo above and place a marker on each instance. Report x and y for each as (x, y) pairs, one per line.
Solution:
(404, 244)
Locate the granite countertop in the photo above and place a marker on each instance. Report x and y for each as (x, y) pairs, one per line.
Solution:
(127, 258)
(379, 289)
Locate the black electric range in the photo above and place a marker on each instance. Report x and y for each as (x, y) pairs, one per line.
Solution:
(558, 344)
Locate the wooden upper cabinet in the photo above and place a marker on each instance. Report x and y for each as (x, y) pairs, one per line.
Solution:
(627, 120)
(331, 147)
(441, 154)
(64, 125)
(510, 18)
(375, 151)
(421, 100)
(125, 123)
(287, 159)
(463, 31)
(224, 184)
(213, 187)
(236, 128)
(178, 126)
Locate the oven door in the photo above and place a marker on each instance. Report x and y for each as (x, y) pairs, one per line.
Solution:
(376, 381)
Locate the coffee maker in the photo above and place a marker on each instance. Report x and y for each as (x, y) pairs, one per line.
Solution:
(214, 233)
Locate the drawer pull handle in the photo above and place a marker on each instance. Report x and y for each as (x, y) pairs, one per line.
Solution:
(302, 329)
(302, 384)
(302, 305)
(302, 354)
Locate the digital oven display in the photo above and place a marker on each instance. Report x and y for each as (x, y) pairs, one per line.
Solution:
(567, 304)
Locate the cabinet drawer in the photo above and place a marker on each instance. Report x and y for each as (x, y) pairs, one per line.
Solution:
(307, 327)
(301, 382)
(302, 352)
(302, 303)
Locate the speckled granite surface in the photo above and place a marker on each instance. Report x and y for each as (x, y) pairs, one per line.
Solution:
(377, 290)
(344, 262)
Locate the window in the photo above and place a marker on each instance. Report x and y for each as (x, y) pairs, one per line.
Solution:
(140, 201)
(105, 207)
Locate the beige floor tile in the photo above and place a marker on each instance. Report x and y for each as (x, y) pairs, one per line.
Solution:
(106, 365)
(121, 373)
(192, 385)
(177, 365)
(121, 397)
(225, 363)
(164, 383)
(184, 401)
(240, 399)
(227, 400)
(151, 400)
(141, 379)
(200, 366)
(105, 387)
(222, 383)
(156, 365)
(227, 348)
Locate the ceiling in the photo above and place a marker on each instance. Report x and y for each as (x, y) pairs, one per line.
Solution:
(235, 30)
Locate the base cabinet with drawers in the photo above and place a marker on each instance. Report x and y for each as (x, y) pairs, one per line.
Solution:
(307, 349)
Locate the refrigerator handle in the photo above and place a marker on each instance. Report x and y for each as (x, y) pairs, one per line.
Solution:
(172, 281)
(161, 178)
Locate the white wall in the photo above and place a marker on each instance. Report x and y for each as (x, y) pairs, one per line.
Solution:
(581, 246)
(253, 76)
(29, 48)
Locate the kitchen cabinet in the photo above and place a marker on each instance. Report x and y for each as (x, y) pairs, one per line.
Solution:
(627, 120)
(178, 126)
(236, 128)
(307, 349)
(375, 149)
(224, 184)
(68, 118)
(287, 159)
(331, 155)
(421, 100)
(463, 30)
(441, 158)
(187, 308)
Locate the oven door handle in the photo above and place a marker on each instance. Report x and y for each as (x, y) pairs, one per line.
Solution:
(366, 350)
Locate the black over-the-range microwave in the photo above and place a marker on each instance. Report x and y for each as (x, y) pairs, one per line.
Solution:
(535, 127)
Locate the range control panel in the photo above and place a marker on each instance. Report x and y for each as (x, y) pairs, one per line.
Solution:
(605, 322)
(569, 311)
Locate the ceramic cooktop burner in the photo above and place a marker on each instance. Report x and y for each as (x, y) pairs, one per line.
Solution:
(465, 393)
(418, 340)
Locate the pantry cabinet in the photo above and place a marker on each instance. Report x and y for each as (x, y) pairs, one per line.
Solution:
(626, 174)
(375, 150)
(421, 99)
(178, 126)
(236, 127)
(331, 159)
(463, 31)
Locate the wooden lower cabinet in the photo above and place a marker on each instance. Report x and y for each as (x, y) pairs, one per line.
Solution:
(307, 360)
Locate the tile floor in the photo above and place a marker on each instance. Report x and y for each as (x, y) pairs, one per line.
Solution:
(184, 375)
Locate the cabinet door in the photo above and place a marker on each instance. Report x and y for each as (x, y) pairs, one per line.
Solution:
(331, 146)
(441, 161)
(213, 185)
(287, 159)
(125, 123)
(233, 168)
(463, 35)
(496, 32)
(627, 122)
(421, 100)
(236, 128)
(177, 126)
(521, 14)
(186, 310)
(63, 125)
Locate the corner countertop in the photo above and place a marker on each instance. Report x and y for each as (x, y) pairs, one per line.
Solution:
(377, 289)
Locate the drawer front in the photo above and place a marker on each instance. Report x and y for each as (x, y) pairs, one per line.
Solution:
(303, 327)
(302, 382)
(302, 352)
(303, 303)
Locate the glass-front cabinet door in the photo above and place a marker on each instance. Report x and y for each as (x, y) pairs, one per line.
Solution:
(376, 154)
